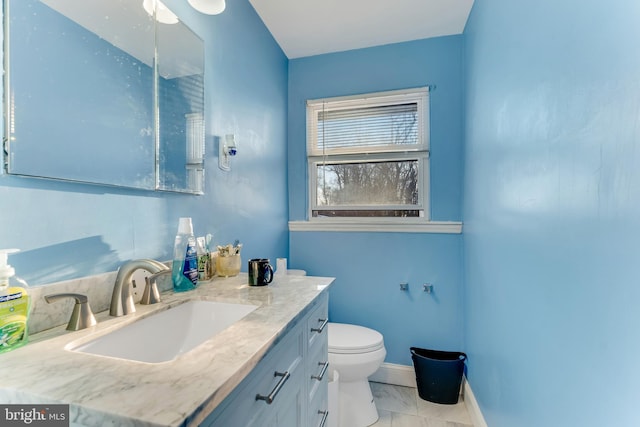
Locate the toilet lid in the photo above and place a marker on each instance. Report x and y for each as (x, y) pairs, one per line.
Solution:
(346, 339)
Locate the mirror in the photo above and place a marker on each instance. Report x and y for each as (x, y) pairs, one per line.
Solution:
(101, 92)
(180, 59)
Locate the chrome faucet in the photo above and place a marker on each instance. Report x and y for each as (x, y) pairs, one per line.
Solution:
(122, 299)
(82, 316)
(151, 295)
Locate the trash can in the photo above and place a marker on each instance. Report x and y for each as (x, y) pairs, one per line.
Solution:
(438, 374)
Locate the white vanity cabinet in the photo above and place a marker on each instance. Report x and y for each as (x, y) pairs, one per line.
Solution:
(288, 388)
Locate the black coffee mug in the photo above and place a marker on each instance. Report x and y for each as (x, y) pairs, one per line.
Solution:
(260, 272)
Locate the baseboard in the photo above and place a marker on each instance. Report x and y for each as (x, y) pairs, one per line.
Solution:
(390, 373)
(472, 405)
(403, 375)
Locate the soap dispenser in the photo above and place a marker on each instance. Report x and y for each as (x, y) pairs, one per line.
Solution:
(14, 306)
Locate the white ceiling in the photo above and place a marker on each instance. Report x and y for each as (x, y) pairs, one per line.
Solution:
(312, 27)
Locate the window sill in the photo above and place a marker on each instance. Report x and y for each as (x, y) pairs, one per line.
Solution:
(379, 226)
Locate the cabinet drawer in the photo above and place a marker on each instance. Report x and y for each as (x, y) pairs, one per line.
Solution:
(286, 360)
(318, 410)
(317, 323)
(272, 381)
(318, 372)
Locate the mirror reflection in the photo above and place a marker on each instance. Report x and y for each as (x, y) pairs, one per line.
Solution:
(101, 92)
(180, 59)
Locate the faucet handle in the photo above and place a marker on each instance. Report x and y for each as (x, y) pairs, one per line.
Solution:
(82, 317)
(151, 295)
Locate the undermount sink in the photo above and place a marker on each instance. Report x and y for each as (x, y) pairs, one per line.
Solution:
(164, 336)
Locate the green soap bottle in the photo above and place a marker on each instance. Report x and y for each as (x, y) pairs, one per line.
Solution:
(14, 306)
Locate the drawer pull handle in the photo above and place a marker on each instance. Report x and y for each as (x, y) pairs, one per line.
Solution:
(269, 399)
(319, 377)
(325, 414)
(321, 328)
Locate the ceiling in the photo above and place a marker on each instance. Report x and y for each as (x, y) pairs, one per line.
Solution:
(312, 27)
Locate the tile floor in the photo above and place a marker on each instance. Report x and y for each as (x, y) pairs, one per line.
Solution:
(402, 407)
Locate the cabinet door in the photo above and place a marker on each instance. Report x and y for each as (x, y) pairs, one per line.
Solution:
(269, 419)
(291, 410)
(233, 418)
(245, 409)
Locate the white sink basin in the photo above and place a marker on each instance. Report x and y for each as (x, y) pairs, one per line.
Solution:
(164, 336)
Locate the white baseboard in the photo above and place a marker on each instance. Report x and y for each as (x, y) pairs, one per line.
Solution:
(390, 373)
(404, 375)
(472, 405)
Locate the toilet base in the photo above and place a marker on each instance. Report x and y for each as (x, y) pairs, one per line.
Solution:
(356, 405)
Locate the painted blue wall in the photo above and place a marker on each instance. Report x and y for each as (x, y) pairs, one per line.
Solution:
(369, 266)
(551, 211)
(70, 230)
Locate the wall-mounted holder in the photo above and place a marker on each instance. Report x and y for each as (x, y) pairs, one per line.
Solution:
(227, 149)
(427, 287)
(404, 286)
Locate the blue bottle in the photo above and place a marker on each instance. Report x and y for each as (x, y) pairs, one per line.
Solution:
(184, 270)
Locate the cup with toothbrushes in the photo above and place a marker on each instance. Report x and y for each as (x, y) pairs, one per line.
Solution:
(228, 261)
(212, 253)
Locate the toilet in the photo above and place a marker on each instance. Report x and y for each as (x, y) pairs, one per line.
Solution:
(355, 352)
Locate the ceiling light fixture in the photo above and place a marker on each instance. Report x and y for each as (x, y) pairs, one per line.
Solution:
(162, 13)
(165, 16)
(209, 7)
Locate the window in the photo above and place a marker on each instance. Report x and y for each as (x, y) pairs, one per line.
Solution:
(368, 156)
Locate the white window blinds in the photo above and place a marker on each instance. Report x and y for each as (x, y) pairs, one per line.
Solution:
(379, 123)
(368, 155)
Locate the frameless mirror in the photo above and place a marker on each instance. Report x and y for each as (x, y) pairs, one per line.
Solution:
(99, 91)
(180, 59)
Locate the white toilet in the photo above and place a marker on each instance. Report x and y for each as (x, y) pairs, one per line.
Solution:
(355, 352)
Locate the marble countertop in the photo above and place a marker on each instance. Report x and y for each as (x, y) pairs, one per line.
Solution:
(108, 391)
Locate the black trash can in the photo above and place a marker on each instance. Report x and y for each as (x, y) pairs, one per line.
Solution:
(438, 374)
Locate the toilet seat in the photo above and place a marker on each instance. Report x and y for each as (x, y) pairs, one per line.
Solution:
(353, 339)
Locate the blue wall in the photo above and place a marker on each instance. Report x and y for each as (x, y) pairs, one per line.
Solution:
(547, 125)
(70, 230)
(551, 211)
(369, 266)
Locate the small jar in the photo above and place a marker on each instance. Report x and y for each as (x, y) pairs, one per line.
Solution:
(228, 266)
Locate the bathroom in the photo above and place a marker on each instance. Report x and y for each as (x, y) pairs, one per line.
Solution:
(534, 117)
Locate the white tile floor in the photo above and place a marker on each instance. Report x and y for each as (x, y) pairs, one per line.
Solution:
(402, 407)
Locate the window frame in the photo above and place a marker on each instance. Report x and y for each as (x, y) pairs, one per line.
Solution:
(381, 153)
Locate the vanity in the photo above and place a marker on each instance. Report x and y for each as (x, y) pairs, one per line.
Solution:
(267, 369)
(297, 366)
